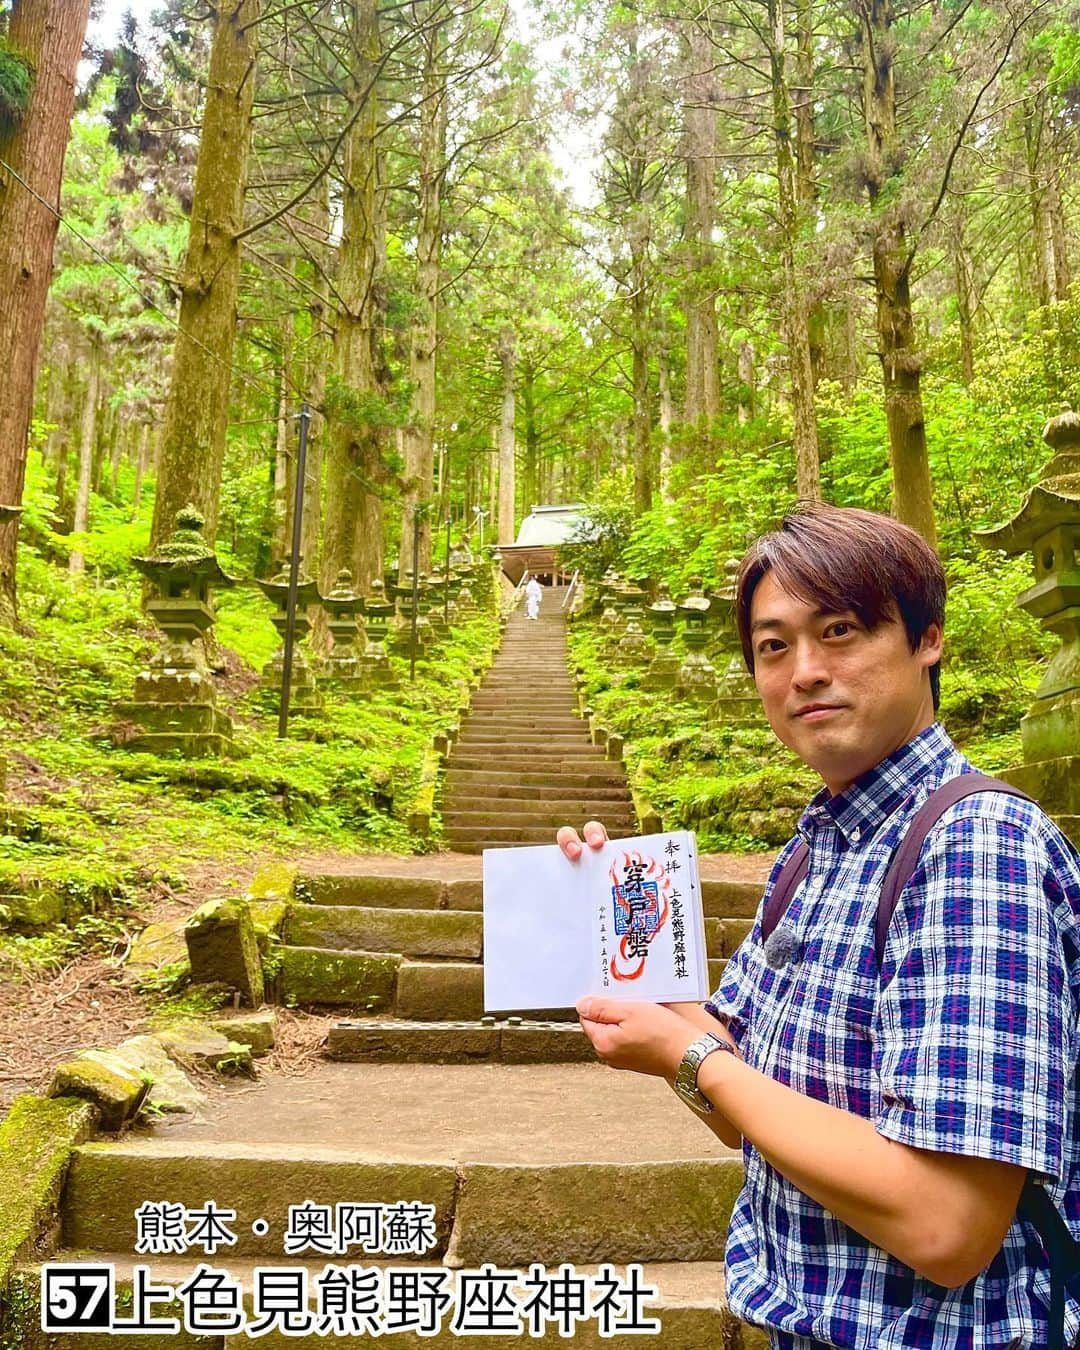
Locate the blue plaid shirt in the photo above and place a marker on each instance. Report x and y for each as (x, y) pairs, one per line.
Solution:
(965, 1041)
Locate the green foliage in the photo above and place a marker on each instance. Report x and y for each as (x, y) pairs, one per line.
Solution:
(16, 82)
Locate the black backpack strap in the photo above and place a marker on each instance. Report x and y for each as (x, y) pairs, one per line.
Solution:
(906, 857)
(1062, 1251)
(787, 883)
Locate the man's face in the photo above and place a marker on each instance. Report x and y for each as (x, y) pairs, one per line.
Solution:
(838, 694)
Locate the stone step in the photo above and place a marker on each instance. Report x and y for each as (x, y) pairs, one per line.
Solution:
(386, 983)
(390, 892)
(514, 753)
(409, 932)
(689, 1306)
(472, 838)
(605, 777)
(507, 723)
(494, 740)
(465, 802)
(579, 1212)
(479, 813)
(381, 1040)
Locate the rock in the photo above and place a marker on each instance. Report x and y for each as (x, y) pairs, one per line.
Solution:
(273, 882)
(223, 948)
(159, 944)
(317, 975)
(109, 1083)
(171, 1089)
(196, 1045)
(256, 1030)
(36, 1139)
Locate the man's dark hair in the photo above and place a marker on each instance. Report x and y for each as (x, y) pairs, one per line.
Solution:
(846, 558)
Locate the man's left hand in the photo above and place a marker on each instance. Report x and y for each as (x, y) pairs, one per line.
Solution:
(645, 1037)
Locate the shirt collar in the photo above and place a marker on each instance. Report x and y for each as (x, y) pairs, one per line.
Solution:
(874, 796)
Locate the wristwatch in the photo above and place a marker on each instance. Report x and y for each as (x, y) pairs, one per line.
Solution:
(685, 1083)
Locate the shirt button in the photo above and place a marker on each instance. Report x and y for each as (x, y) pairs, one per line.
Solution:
(856, 835)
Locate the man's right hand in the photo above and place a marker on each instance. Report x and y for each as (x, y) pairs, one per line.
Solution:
(568, 840)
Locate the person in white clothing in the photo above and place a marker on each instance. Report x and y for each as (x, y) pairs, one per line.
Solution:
(533, 594)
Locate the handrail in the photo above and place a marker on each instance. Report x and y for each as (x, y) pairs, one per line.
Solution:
(512, 604)
(570, 589)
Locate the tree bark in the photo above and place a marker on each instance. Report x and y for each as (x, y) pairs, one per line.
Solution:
(352, 536)
(48, 34)
(284, 458)
(507, 362)
(87, 429)
(901, 362)
(702, 379)
(197, 410)
(420, 433)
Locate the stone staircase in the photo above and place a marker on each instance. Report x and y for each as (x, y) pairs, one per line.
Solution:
(524, 763)
(525, 1148)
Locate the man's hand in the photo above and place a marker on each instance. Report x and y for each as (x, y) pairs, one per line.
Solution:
(567, 838)
(645, 1037)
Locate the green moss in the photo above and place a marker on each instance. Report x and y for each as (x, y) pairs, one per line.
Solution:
(16, 82)
(36, 1139)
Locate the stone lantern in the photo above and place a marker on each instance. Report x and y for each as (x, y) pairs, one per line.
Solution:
(378, 611)
(175, 701)
(1048, 527)
(738, 703)
(633, 644)
(697, 678)
(663, 672)
(342, 607)
(401, 637)
(304, 697)
(609, 586)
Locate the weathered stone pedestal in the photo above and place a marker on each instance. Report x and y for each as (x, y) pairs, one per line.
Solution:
(1048, 526)
(304, 696)
(737, 701)
(663, 672)
(343, 666)
(175, 702)
(375, 665)
(697, 677)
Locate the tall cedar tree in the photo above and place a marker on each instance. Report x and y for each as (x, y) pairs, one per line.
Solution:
(47, 35)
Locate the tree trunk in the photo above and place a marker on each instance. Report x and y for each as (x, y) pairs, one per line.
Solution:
(747, 381)
(87, 428)
(702, 381)
(353, 517)
(965, 301)
(284, 458)
(901, 362)
(142, 463)
(806, 167)
(420, 433)
(794, 317)
(507, 361)
(666, 417)
(48, 34)
(531, 488)
(1058, 235)
(1041, 236)
(197, 411)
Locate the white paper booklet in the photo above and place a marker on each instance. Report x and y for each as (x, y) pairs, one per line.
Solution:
(624, 921)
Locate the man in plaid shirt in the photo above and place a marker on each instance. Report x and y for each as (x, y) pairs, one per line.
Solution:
(890, 1114)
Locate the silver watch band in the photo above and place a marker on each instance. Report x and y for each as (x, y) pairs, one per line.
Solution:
(687, 1075)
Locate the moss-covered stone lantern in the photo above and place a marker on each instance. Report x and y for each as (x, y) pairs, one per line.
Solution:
(378, 611)
(304, 696)
(634, 646)
(697, 678)
(1048, 527)
(175, 702)
(738, 703)
(609, 587)
(401, 638)
(663, 672)
(342, 608)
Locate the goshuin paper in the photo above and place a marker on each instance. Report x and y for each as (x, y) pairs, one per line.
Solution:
(624, 921)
